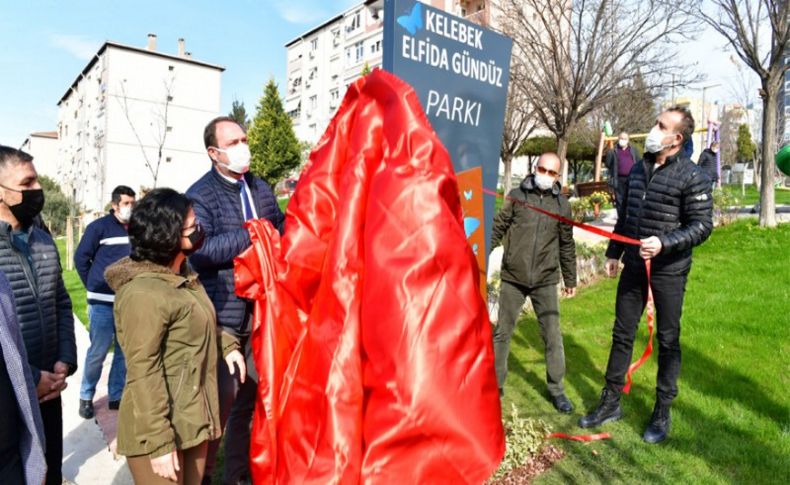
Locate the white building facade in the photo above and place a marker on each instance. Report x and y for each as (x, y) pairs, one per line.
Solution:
(135, 116)
(324, 61)
(43, 146)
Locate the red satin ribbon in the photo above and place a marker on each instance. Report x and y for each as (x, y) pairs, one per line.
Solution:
(617, 237)
(584, 438)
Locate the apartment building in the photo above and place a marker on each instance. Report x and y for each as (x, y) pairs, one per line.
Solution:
(135, 116)
(325, 60)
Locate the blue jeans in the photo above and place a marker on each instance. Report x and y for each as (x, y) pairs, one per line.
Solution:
(102, 334)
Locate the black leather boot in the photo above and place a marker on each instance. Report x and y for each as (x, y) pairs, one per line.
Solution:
(86, 409)
(608, 410)
(658, 429)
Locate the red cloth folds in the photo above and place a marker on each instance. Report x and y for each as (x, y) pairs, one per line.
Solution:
(370, 336)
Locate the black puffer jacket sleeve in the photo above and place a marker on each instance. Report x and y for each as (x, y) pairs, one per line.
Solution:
(696, 215)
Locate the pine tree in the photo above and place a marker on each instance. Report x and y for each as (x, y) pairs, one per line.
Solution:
(746, 147)
(239, 113)
(274, 147)
(366, 69)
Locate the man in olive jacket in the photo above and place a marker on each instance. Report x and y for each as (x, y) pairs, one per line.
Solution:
(535, 248)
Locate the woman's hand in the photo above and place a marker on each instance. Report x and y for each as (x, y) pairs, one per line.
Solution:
(166, 466)
(236, 358)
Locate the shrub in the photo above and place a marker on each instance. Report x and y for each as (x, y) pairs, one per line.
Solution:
(523, 440)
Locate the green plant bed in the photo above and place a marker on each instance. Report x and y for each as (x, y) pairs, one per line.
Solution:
(752, 197)
(731, 420)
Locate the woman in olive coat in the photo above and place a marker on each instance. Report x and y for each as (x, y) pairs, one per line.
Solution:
(166, 326)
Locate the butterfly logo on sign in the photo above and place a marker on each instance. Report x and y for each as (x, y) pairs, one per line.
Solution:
(412, 22)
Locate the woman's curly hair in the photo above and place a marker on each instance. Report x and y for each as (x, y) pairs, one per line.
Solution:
(156, 225)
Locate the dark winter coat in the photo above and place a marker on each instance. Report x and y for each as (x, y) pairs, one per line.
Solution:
(43, 306)
(612, 165)
(675, 204)
(707, 162)
(217, 206)
(105, 241)
(535, 245)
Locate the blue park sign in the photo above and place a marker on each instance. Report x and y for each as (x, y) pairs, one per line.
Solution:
(460, 72)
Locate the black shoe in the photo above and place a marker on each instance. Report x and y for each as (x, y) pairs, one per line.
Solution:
(86, 409)
(658, 429)
(562, 404)
(114, 405)
(608, 410)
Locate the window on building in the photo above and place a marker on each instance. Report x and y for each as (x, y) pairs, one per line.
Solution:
(354, 53)
(314, 44)
(355, 22)
(335, 37)
(168, 159)
(334, 94)
(170, 68)
(375, 47)
(169, 129)
(170, 98)
(313, 102)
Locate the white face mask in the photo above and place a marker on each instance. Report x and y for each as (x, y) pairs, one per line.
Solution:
(543, 181)
(653, 143)
(125, 213)
(238, 158)
(622, 143)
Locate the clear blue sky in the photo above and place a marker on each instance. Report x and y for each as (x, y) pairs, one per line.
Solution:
(46, 43)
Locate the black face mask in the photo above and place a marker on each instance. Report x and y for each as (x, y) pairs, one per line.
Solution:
(196, 239)
(29, 208)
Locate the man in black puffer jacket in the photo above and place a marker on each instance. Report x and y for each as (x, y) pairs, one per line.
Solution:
(30, 261)
(224, 198)
(669, 208)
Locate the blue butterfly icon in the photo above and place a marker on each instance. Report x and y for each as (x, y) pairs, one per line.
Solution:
(413, 21)
(468, 194)
(470, 225)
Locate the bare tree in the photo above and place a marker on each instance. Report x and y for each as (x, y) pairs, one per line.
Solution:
(740, 22)
(159, 127)
(579, 54)
(520, 120)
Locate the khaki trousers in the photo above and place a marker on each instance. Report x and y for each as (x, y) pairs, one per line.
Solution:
(192, 463)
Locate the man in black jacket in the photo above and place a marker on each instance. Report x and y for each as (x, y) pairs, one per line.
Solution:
(668, 207)
(535, 248)
(30, 261)
(224, 198)
(707, 162)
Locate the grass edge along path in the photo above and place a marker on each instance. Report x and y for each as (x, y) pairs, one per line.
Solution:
(731, 421)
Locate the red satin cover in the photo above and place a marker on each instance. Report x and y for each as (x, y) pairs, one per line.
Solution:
(370, 336)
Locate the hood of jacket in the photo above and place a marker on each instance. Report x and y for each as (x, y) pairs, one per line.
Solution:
(529, 185)
(126, 269)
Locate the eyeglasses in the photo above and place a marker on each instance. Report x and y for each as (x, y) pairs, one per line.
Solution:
(544, 171)
(194, 228)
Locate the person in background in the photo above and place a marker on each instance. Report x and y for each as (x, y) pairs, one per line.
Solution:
(30, 261)
(105, 241)
(166, 326)
(21, 429)
(224, 198)
(536, 249)
(619, 161)
(707, 162)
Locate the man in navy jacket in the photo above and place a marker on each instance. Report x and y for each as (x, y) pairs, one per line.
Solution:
(224, 198)
(105, 241)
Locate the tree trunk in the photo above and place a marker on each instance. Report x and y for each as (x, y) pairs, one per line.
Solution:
(562, 151)
(767, 200)
(507, 161)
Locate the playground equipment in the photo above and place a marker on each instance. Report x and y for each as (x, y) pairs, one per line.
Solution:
(782, 159)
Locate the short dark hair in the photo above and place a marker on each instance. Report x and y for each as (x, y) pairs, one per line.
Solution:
(117, 192)
(156, 225)
(13, 155)
(210, 132)
(686, 122)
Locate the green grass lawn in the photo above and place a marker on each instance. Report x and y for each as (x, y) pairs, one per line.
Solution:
(753, 195)
(731, 420)
(73, 285)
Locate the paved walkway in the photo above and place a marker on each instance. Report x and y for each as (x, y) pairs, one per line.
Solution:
(87, 459)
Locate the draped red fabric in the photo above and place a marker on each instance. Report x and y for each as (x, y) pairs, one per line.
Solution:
(370, 336)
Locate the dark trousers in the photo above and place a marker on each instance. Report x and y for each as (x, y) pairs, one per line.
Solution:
(668, 291)
(52, 416)
(619, 192)
(545, 301)
(236, 407)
